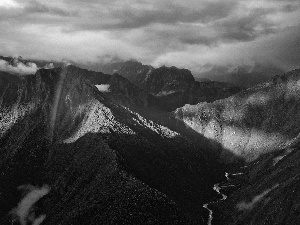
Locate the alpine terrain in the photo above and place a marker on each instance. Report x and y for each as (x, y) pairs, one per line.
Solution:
(136, 144)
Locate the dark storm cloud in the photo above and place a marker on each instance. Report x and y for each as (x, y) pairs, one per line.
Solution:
(132, 18)
(248, 27)
(36, 7)
(197, 40)
(181, 33)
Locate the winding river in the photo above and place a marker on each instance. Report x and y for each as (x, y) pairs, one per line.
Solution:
(218, 187)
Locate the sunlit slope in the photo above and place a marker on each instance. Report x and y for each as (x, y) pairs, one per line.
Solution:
(258, 120)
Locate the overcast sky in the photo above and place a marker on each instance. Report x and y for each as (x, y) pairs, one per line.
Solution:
(191, 33)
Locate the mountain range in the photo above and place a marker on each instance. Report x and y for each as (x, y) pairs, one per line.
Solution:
(135, 144)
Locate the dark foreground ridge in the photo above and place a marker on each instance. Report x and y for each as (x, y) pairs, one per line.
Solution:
(71, 155)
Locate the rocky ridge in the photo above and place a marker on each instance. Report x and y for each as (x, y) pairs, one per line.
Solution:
(172, 87)
(98, 161)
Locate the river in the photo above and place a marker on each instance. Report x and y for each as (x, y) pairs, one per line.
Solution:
(217, 188)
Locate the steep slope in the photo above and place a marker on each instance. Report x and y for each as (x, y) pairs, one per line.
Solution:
(133, 71)
(119, 89)
(171, 87)
(88, 160)
(266, 192)
(261, 126)
(253, 122)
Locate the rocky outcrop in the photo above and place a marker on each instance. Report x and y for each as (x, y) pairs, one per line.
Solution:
(253, 122)
(120, 89)
(172, 87)
(134, 71)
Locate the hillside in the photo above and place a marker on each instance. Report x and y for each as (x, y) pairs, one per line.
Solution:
(260, 126)
(94, 161)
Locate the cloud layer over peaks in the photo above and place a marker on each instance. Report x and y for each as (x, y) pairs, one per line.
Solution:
(186, 34)
(18, 67)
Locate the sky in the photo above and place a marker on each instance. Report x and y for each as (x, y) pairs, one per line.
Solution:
(193, 34)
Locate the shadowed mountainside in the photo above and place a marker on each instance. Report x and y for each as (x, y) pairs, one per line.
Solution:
(172, 87)
(103, 162)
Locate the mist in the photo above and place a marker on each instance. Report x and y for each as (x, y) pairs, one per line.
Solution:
(18, 68)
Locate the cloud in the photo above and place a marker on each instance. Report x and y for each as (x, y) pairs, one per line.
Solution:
(34, 7)
(8, 4)
(18, 67)
(181, 33)
(247, 27)
(103, 87)
(23, 211)
(133, 16)
(49, 66)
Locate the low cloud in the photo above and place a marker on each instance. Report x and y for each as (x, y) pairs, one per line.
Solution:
(49, 66)
(23, 212)
(103, 87)
(18, 67)
(249, 205)
(34, 7)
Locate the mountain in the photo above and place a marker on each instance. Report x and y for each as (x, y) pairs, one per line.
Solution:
(252, 122)
(71, 154)
(242, 76)
(164, 88)
(133, 70)
(260, 126)
(171, 87)
(85, 147)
